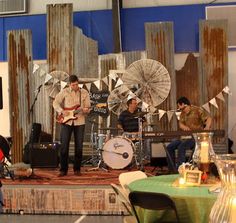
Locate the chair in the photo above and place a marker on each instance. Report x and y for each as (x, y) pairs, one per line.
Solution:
(126, 178)
(122, 197)
(151, 201)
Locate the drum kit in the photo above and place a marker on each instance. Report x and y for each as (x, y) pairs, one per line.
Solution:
(117, 152)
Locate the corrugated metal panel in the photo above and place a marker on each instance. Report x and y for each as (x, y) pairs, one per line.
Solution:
(160, 46)
(214, 63)
(20, 69)
(188, 81)
(85, 55)
(60, 37)
(132, 56)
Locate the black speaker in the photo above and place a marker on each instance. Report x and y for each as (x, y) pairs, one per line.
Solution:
(1, 102)
(44, 155)
(158, 155)
(35, 133)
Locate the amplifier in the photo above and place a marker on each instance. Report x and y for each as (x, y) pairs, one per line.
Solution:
(44, 155)
(158, 155)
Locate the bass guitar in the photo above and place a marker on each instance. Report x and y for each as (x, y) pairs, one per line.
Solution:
(73, 111)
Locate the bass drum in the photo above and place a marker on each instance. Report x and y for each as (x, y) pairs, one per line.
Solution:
(118, 152)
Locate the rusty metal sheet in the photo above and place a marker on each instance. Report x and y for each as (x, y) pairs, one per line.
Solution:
(85, 55)
(188, 80)
(213, 39)
(60, 37)
(20, 69)
(160, 46)
(132, 56)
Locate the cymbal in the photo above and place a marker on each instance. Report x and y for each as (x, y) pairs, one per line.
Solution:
(109, 128)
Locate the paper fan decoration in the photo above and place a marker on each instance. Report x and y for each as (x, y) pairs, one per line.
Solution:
(149, 80)
(117, 99)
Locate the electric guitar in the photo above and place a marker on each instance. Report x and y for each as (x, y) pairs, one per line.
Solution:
(73, 111)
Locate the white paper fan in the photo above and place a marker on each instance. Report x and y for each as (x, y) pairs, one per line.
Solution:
(149, 80)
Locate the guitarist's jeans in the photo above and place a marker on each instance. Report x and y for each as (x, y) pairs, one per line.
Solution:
(66, 131)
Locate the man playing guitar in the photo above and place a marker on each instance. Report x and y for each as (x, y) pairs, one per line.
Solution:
(76, 100)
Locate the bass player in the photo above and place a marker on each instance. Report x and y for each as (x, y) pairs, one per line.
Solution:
(70, 99)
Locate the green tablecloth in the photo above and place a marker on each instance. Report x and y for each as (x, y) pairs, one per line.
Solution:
(193, 203)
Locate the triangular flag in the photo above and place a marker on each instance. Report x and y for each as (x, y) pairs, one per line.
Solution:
(97, 84)
(144, 106)
(81, 85)
(137, 99)
(227, 90)
(48, 77)
(130, 96)
(178, 115)
(36, 67)
(63, 84)
(161, 113)
(105, 80)
(220, 96)
(118, 83)
(206, 107)
(88, 85)
(213, 102)
(170, 115)
(123, 88)
(112, 74)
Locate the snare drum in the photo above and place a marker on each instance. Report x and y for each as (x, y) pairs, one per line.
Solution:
(118, 152)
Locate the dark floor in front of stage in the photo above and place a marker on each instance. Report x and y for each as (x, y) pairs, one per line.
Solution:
(17, 218)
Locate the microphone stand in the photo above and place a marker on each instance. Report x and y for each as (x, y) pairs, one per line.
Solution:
(31, 111)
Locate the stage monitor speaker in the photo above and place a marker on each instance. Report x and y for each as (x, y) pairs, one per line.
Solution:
(1, 102)
(44, 155)
(35, 133)
(158, 155)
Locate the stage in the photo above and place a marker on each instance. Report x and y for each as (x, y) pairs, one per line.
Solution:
(46, 193)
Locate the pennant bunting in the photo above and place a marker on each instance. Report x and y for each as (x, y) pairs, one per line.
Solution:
(161, 113)
(118, 83)
(36, 67)
(112, 75)
(97, 84)
(137, 99)
(207, 107)
(220, 96)
(213, 102)
(227, 90)
(170, 115)
(105, 80)
(178, 114)
(81, 85)
(144, 106)
(63, 84)
(88, 86)
(48, 77)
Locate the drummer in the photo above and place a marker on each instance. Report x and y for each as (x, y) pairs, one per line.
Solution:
(128, 119)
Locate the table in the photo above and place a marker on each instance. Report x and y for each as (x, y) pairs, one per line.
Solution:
(193, 203)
